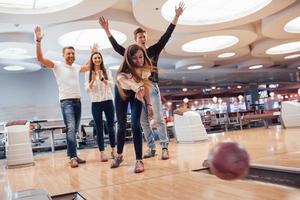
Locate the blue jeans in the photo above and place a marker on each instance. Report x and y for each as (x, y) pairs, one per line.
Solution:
(160, 124)
(71, 111)
(108, 108)
(121, 110)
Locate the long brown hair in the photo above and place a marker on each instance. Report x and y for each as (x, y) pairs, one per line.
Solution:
(128, 66)
(92, 66)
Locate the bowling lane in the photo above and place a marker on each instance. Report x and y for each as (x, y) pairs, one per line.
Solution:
(192, 185)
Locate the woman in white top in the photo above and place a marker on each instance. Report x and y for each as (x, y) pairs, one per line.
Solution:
(99, 83)
(132, 88)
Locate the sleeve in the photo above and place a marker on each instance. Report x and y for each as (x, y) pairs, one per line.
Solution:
(128, 83)
(87, 88)
(110, 79)
(158, 47)
(117, 47)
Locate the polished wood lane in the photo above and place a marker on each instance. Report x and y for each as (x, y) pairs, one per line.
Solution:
(170, 179)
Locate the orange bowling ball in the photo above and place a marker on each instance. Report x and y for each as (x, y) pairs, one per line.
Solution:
(229, 161)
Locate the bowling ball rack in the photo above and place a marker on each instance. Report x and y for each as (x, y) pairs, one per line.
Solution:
(279, 175)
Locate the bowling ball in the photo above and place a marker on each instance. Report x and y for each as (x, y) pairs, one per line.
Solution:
(228, 161)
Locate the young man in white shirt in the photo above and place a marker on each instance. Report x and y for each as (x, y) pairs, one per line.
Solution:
(67, 77)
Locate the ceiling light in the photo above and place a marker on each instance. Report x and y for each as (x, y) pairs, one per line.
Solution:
(14, 68)
(14, 53)
(184, 89)
(299, 67)
(284, 48)
(114, 67)
(209, 44)
(213, 87)
(293, 26)
(83, 39)
(256, 67)
(185, 100)
(203, 12)
(226, 55)
(238, 87)
(292, 56)
(193, 67)
(35, 6)
(215, 99)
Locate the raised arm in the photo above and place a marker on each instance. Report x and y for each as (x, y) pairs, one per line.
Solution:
(117, 47)
(86, 67)
(158, 47)
(178, 12)
(39, 54)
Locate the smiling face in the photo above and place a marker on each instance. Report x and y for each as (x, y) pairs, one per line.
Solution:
(69, 55)
(97, 59)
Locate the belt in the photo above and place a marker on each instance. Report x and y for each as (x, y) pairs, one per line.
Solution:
(72, 99)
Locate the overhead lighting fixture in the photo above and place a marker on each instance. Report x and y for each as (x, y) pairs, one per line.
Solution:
(293, 26)
(299, 67)
(256, 67)
(35, 6)
(273, 86)
(215, 99)
(185, 100)
(14, 53)
(209, 44)
(226, 55)
(14, 68)
(292, 56)
(203, 12)
(239, 87)
(193, 67)
(82, 39)
(114, 67)
(284, 48)
(184, 89)
(213, 87)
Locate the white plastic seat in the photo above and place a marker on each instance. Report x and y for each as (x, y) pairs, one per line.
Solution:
(18, 144)
(189, 127)
(290, 114)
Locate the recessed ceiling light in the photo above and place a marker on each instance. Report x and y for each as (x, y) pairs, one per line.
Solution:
(14, 53)
(35, 6)
(83, 39)
(299, 67)
(239, 86)
(185, 100)
(14, 68)
(209, 44)
(256, 67)
(226, 55)
(114, 67)
(284, 48)
(184, 89)
(293, 26)
(292, 56)
(193, 67)
(203, 12)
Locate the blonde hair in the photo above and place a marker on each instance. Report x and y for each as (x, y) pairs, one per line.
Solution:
(128, 66)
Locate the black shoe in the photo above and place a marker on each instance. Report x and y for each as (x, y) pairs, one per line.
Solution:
(149, 153)
(80, 161)
(117, 161)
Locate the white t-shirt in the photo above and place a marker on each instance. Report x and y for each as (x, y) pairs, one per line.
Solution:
(100, 91)
(67, 78)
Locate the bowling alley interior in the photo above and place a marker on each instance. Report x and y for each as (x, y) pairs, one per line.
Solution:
(212, 111)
